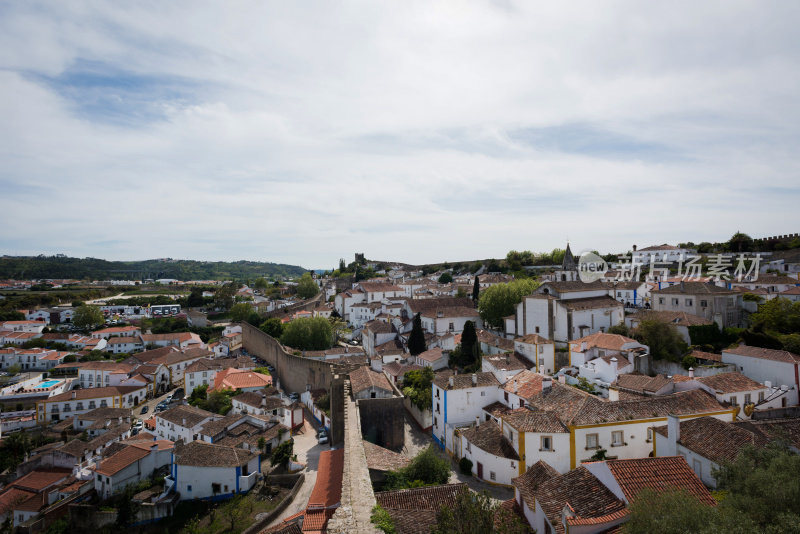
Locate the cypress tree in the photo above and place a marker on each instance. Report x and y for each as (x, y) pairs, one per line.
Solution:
(476, 290)
(416, 341)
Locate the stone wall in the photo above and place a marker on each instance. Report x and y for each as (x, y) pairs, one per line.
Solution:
(383, 422)
(358, 498)
(668, 368)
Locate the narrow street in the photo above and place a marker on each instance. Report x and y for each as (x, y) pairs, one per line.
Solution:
(307, 450)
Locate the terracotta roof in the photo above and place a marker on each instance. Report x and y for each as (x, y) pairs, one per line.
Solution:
(464, 381)
(493, 340)
(381, 459)
(701, 355)
(426, 498)
(316, 521)
(497, 409)
(217, 426)
(150, 355)
(534, 339)
(776, 429)
(732, 382)
(590, 303)
(488, 437)
(714, 439)
(683, 403)
(431, 355)
(378, 327)
(192, 415)
(642, 383)
(525, 420)
(231, 378)
(364, 378)
(450, 311)
(12, 497)
(531, 479)
(400, 369)
(94, 393)
(509, 361)
(370, 287)
(601, 340)
(423, 305)
(586, 497)
(327, 490)
(117, 330)
(765, 354)
(658, 474)
(694, 288)
(577, 285)
(105, 413)
(659, 247)
(677, 318)
(40, 479)
(202, 454)
(119, 461)
(259, 399)
(526, 384)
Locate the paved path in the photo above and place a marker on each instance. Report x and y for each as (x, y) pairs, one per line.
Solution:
(307, 450)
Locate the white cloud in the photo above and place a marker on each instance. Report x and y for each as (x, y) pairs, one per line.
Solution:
(415, 131)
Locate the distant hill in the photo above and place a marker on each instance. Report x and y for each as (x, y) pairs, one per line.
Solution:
(37, 267)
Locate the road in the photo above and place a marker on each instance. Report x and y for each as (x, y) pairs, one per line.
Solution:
(151, 404)
(307, 450)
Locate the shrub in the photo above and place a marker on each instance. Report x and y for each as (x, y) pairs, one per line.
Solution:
(465, 466)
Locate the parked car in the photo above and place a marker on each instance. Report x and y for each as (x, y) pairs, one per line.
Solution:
(168, 399)
(138, 426)
(322, 437)
(144, 409)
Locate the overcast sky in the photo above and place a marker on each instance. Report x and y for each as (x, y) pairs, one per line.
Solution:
(301, 132)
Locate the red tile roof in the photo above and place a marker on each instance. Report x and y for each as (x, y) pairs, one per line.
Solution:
(766, 354)
(119, 461)
(658, 474)
(327, 490)
(732, 382)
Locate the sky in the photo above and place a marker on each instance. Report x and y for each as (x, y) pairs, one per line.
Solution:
(302, 132)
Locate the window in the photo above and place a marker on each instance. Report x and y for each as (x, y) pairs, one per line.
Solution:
(215, 488)
(452, 327)
(99, 478)
(698, 467)
(546, 443)
(91, 405)
(760, 396)
(649, 435)
(661, 300)
(435, 421)
(522, 403)
(483, 393)
(674, 302)
(469, 447)
(541, 349)
(188, 487)
(505, 396)
(704, 304)
(617, 438)
(732, 400)
(537, 329)
(591, 441)
(747, 398)
(688, 302)
(492, 475)
(437, 408)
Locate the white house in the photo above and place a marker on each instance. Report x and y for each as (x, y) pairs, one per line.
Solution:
(603, 357)
(451, 319)
(117, 331)
(660, 254)
(207, 471)
(457, 400)
(183, 423)
(779, 368)
(434, 358)
(539, 350)
(131, 465)
(493, 458)
(368, 384)
(80, 401)
(504, 366)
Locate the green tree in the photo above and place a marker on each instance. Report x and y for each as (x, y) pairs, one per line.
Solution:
(470, 353)
(87, 316)
(306, 287)
(195, 298)
(417, 387)
(778, 315)
(621, 329)
(663, 339)
(500, 300)
(70, 358)
(445, 278)
(740, 242)
(272, 327)
(261, 283)
(416, 341)
(223, 297)
(312, 333)
(476, 513)
(426, 468)
(476, 290)
(282, 454)
(240, 312)
(669, 512)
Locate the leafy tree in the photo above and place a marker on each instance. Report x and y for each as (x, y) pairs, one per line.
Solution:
(308, 333)
(416, 341)
(14, 369)
(470, 348)
(777, 315)
(198, 395)
(87, 316)
(272, 327)
(417, 387)
(195, 298)
(500, 300)
(476, 513)
(668, 512)
(240, 312)
(740, 242)
(70, 358)
(663, 339)
(382, 520)
(254, 319)
(427, 468)
(465, 466)
(306, 287)
(282, 454)
(621, 329)
(476, 290)
(445, 278)
(261, 283)
(223, 297)
(688, 361)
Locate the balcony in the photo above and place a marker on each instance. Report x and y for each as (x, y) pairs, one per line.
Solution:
(247, 482)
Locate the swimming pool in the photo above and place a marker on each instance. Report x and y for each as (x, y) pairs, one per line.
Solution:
(47, 384)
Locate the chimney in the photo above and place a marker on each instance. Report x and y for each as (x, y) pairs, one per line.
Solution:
(516, 387)
(613, 394)
(683, 286)
(74, 394)
(183, 422)
(691, 372)
(452, 381)
(614, 366)
(154, 447)
(583, 346)
(562, 379)
(477, 420)
(673, 434)
(474, 379)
